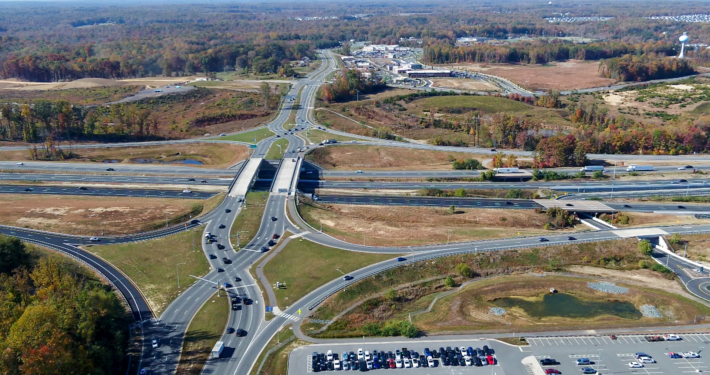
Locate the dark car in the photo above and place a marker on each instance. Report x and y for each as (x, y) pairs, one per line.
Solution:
(28, 189)
(230, 330)
(552, 371)
(548, 362)
(110, 170)
(347, 277)
(192, 179)
(570, 238)
(237, 279)
(194, 221)
(682, 180)
(227, 210)
(681, 207)
(275, 236)
(264, 249)
(569, 205)
(508, 203)
(212, 256)
(543, 239)
(241, 332)
(220, 270)
(221, 226)
(401, 259)
(226, 261)
(273, 218)
(220, 246)
(588, 370)
(83, 188)
(278, 136)
(493, 150)
(486, 350)
(272, 242)
(627, 206)
(477, 361)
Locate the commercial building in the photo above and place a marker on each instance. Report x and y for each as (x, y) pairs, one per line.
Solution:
(428, 73)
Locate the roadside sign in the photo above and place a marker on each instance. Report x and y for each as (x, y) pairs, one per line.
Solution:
(252, 146)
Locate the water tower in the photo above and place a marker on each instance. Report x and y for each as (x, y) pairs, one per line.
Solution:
(683, 39)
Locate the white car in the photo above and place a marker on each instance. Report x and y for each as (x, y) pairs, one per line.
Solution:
(463, 350)
(187, 191)
(690, 355)
(430, 361)
(367, 356)
(94, 239)
(647, 360)
(329, 355)
(369, 365)
(398, 363)
(467, 359)
(20, 163)
(635, 365)
(415, 363)
(671, 337)
(154, 343)
(407, 363)
(336, 364)
(360, 355)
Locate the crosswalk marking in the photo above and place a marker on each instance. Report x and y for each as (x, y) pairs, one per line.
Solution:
(289, 317)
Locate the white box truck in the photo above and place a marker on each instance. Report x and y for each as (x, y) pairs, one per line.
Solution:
(638, 168)
(592, 168)
(507, 170)
(217, 350)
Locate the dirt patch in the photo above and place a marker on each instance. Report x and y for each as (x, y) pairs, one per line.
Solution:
(409, 226)
(569, 75)
(89, 215)
(464, 84)
(385, 158)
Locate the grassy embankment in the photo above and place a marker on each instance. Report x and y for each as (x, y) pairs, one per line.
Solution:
(249, 218)
(275, 152)
(252, 137)
(305, 266)
(205, 329)
(317, 136)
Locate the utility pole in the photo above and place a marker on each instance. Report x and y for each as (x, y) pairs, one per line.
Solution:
(166, 219)
(102, 227)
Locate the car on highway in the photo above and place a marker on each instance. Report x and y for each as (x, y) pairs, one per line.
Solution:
(358, 171)
(192, 179)
(221, 226)
(28, 189)
(237, 279)
(94, 239)
(241, 332)
(220, 270)
(627, 206)
(273, 218)
(570, 238)
(82, 188)
(110, 170)
(686, 167)
(264, 249)
(275, 236)
(635, 365)
(691, 355)
(223, 135)
(682, 180)
(212, 256)
(230, 330)
(347, 277)
(158, 90)
(401, 259)
(154, 343)
(186, 191)
(20, 163)
(226, 261)
(552, 371)
(204, 181)
(220, 246)
(588, 370)
(681, 207)
(227, 210)
(543, 239)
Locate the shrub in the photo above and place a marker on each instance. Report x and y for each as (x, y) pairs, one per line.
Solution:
(643, 264)
(645, 247)
(464, 270)
(675, 239)
(450, 282)
(598, 174)
(660, 268)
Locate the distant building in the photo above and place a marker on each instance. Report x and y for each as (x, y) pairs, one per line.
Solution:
(347, 58)
(380, 48)
(428, 73)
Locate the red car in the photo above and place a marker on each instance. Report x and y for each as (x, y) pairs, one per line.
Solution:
(392, 364)
(552, 371)
(491, 360)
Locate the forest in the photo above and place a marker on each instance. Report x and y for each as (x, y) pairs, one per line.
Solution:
(55, 318)
(348, 84)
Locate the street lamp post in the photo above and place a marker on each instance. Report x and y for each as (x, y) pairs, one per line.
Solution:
(102, 227)
(448, 235)
(177, 273)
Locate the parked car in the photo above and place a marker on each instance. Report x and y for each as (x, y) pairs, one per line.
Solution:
(635, 365)
(552, 371)
(154, 343)
(675, 355)
(548, 362)
(583, 361)
(691, 355)
(588, 370)
(672, 337)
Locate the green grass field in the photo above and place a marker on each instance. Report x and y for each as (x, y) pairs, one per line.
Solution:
(249, 219)
(152, 265)
(489, 104)
(276, 153)
(317, 136)
(204, 331)
(305, 266)
(253, 136)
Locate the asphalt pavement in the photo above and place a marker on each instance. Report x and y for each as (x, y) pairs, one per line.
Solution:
(104, 192)
(118, 168)
(113, 179)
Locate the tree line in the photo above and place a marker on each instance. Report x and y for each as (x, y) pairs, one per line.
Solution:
(350, 83)
(644, 67)
(55, 318)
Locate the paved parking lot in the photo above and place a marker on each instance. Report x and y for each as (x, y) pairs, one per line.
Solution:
(608, 356)
(300, 359)
(613, 356)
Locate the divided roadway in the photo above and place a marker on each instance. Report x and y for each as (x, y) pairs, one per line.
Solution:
(103, 192)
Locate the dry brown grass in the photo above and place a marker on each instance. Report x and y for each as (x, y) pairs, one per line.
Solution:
(81, 215)
(642, 219)
(468, 309)
(464, 84)
(211, 155)
(698, 247)
(569, 75)
(385, 158)
(408, 226)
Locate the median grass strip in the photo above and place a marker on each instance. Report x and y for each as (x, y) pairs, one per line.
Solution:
(305, 266)
(204, 331)
(276, 152)
(253, 136)
(317, 136)
(249, 219)
(152, 265)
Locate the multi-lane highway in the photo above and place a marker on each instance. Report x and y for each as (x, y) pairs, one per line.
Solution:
(104, 192)
(105, 168)
(113, 179)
